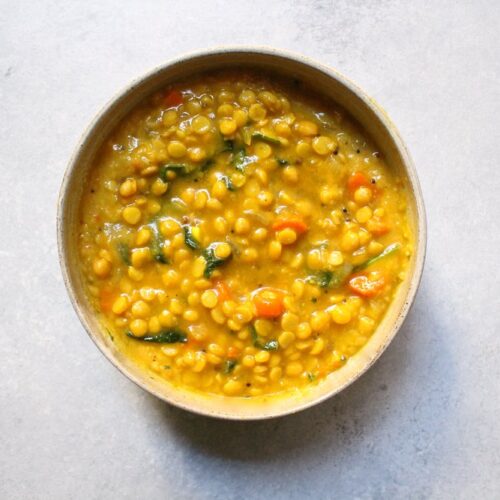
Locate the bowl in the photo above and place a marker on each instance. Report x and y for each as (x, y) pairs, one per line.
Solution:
(319, 79)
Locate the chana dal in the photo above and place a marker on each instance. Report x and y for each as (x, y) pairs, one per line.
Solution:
(240, 237)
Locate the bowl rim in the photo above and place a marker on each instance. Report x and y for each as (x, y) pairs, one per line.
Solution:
(420, 246)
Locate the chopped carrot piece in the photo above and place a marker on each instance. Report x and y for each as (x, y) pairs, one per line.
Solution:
(106, 299)
(173, 98)
(356, 180)
(269, 302)
(377, 227)
(233, 352)
(290, 222)
(365, 287)
(223, 291)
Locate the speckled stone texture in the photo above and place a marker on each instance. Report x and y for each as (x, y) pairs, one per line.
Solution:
(422, 423)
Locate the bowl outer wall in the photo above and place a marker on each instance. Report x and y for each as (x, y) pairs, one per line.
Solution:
(326, 82)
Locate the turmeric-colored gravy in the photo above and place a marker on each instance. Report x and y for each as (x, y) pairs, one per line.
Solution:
(241, 238)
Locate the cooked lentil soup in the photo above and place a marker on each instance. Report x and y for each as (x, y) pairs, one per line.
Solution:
(241, 237)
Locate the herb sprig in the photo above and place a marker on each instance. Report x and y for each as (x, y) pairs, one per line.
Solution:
(169, 336)
(270, 345)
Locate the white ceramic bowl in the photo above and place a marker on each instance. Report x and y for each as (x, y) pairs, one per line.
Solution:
(316, 77)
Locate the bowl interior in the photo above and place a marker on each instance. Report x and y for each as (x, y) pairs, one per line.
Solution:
(327, 84)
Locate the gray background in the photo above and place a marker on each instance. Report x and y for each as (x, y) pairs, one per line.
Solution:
(423, 422)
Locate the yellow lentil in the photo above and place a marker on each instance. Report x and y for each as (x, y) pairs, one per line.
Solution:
(340, 314)
(307, 128)
(285, 339)
(138, 327)
(131, 215)
(286, 236)
(294, 369)
(201, 124)
(222, 250)
(101, 268)
(209, 299)
(262, 357)
(176, 149)
(128, 187)
(274, 250)
(228, 126)
(120, 305)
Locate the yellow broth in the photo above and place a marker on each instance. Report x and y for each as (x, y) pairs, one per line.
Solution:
(240, 237)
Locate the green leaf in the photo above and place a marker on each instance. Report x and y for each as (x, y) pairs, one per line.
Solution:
(228, 182)
(323, 278)
(246, 135)
(171, 336)
(311, 376)
(156, 250)
(266, 138)
(282, 162)
(189, 239)
(270, 345)
(330, 279)
(229, 365)
(240, 160)
(227, 145)
(207, 164)
(157, 244)
(110, 335)
(183, 169)
(253, 333)
(124, 252)
(212, 261)
(389, 250)
(173, 206)
(178, 168)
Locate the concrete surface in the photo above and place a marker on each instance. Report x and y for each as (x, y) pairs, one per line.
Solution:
(423, 423)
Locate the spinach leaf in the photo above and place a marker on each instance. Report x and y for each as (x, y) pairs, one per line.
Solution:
(157, 244)
(229, 365)
(389, 250)
(246, 135)
(266, 138)
(174, 206)
(270, 345)
(178, 168)
(330, 279)
(282, 162)
(207, 164)
(184, 169)
(169, 336)
(254, 334)
(240, 160)
(323, 278)
(124, 252)
(212, 261)
(227, 145)
(189, 239)
(228, 182)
